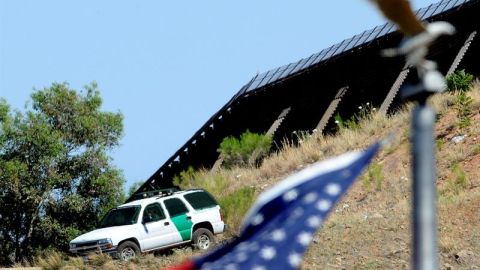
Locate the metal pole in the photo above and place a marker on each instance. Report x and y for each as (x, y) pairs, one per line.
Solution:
(429, 82)
(424, 189)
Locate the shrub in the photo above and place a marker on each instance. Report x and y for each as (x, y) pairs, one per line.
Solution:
(100, 259)
(364, 112)
(457, 182)
(76, 263)
(464, 108)
(51, 261)
(461, 181)
(476, 149)
(246, 150)
(235, 206)
(440, 143)
(213, 183)
(459, 81)
(375, 176)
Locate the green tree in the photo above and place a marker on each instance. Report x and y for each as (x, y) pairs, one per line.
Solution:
(56, 178)
(134, 187)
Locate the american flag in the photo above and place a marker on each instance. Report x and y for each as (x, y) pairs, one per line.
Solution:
(281, 224)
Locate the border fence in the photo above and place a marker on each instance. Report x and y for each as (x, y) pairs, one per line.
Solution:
(304, 95)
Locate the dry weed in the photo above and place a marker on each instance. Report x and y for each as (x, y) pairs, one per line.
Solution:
(99, 259)
(76, 263)
(52, 261)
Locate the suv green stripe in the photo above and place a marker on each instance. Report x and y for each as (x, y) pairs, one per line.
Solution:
(183, 225)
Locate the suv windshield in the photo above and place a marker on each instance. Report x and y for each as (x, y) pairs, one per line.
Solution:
(120, 216)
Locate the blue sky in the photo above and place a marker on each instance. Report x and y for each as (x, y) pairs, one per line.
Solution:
(166, 65)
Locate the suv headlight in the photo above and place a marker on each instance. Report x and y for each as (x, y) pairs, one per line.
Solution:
(72, 246)
(104, 241)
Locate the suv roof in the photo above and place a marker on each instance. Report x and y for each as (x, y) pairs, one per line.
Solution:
(159, 195)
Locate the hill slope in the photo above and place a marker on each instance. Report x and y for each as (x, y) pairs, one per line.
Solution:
(370, 228)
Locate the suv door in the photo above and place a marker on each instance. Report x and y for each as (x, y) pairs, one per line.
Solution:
(157, 230)
(178, 212)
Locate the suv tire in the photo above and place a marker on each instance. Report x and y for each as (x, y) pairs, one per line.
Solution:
(203, 239)
(127, 250)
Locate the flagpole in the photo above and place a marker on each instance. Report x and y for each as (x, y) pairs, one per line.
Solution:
(429, 81)
(424, 191)
(424, 188)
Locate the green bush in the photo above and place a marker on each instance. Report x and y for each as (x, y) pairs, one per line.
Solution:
(459, 81)
(464, 108)
(216, 184)
(246, 150)
(235, 206)
(460, 84)
(374, 176)
(364, 112)
(461, 180)
(476, 149)
(457, 183)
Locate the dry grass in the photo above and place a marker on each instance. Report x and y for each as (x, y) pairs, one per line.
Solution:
(54, 261)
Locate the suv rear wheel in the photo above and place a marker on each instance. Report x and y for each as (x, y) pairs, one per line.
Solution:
(127, 250)
(203, 239)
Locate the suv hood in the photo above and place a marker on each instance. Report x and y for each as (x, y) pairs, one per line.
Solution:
(115, 233)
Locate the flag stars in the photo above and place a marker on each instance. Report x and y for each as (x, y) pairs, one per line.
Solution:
(314, 221)
(294, 259)
(298, 212)
(278, 235)
(268, 253)
(333, 189)
(253, 246)
(231, 267)
(241, 257)
(243, 246)
(207, 266)
(257, 219)
(290, 195)
(310, 197)
(304, 238)
(323, 205)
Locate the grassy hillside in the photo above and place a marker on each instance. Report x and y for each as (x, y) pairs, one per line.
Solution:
(370, 228)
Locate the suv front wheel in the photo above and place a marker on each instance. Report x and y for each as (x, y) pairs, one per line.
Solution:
(127, 250)
(203, 239)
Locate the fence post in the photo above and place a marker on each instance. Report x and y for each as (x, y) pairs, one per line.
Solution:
(331, 109)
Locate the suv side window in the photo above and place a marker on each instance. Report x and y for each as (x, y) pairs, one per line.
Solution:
(153, 212)
(175, 207)
(200, 200)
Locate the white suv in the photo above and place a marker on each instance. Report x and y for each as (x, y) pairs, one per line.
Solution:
(162, 221)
